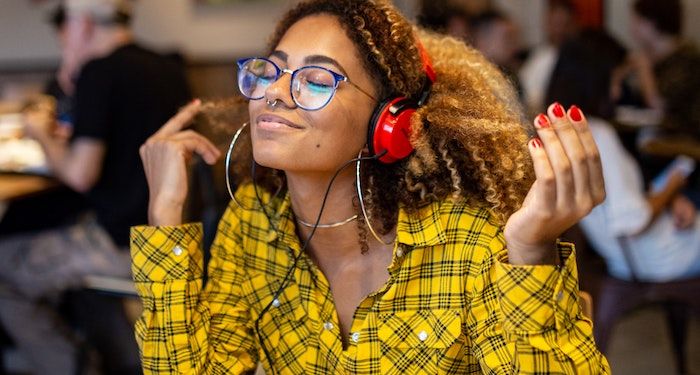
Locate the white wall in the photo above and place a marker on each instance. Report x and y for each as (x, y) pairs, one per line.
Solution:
(198, 31)
(226, 31)
(24, 33)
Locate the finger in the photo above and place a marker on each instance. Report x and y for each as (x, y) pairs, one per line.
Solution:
(213, 150)
(180, 120)
(200, 146)
(595, 167)
(545, 188)
(559, 163)
(568, 136)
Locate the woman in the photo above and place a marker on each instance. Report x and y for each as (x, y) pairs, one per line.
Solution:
(443, 287)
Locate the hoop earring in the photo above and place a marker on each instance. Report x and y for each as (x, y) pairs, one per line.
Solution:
(358, 184)
(227, 164)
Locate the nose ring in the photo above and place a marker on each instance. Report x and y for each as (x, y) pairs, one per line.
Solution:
(271, 104)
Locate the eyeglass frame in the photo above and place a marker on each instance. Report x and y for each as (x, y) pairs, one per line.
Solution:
(336, 76)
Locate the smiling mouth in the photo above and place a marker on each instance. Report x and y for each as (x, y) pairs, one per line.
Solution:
(273, 122)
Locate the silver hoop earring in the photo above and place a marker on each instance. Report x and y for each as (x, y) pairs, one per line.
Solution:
(228, 165)
(358, 184)
(271, 104)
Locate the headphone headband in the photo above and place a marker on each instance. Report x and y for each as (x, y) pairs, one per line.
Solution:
(427, 64)
(389, 129)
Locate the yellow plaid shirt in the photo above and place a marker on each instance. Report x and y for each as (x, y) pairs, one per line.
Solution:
(452, 304)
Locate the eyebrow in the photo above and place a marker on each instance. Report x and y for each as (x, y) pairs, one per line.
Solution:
(313, 59)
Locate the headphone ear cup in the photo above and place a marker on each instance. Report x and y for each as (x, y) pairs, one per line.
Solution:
(390, 129)
(379, 112)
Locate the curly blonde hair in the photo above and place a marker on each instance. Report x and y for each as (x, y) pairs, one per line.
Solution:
(470, 139)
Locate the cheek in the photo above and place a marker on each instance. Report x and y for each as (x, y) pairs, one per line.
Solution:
(344, 134)
(353, 128)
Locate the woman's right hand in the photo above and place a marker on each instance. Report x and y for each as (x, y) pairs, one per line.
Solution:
(165, 156)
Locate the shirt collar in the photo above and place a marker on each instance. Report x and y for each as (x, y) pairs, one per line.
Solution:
(422, 227)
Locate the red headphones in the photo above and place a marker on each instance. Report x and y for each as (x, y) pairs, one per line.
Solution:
(389, 127)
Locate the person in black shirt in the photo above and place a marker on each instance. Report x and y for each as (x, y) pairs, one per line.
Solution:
(123, 94)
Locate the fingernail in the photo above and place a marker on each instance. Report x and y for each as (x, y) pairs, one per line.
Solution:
(575, 113)
(196, 101)
(541, 122)
(558, 110)
(536, 143)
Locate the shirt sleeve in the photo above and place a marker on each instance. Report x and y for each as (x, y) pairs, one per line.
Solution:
(527, 320)
(184, 329)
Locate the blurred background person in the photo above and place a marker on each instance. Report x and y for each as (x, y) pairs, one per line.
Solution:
(122, 95)
(62, 85)
(666, 64)
(63, 204)
(661, 236)
(664, 234)
(559, 25)
(444, 16)
(496, 36)
(649, 235)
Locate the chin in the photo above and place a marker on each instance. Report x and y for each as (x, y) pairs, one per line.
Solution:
(271, 158)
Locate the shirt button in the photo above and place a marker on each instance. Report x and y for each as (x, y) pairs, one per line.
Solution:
(276, 302)
(422, 336)
(560, 295)
(355, 337)
(328, 326)
(399, 252)
(177, 250)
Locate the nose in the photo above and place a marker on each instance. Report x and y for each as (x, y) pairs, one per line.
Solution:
(280, 91)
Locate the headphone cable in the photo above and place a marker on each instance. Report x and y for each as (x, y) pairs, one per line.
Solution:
(303, 248)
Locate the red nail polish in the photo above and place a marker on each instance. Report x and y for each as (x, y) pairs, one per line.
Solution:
(558, 110)
(542, 122)
(536, 143)
(575, 113)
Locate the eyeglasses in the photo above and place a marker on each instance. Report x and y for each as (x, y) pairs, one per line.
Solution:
(311, 88)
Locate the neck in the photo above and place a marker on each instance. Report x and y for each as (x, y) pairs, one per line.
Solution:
(306, 193)
(108, 39)
(662, 47)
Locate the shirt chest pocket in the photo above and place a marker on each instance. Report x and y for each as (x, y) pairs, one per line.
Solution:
(421, 342)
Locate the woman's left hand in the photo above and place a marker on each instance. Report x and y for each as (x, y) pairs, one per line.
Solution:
(568, 184)
(683, 212)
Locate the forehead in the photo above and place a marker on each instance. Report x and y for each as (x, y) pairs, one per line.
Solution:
(320, 34)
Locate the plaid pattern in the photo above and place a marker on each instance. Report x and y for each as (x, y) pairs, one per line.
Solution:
(452, 304)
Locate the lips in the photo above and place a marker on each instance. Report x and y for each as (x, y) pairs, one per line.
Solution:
(274, 121)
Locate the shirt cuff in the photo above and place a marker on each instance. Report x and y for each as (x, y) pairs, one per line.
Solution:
(536, 298)
(161, 254)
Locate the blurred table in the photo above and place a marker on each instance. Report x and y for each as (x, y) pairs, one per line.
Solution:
(671, 146)
(15, 186)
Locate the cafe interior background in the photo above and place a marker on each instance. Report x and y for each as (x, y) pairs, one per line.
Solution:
(210, 35)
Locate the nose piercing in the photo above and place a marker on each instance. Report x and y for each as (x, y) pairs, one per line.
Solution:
(271, 104)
